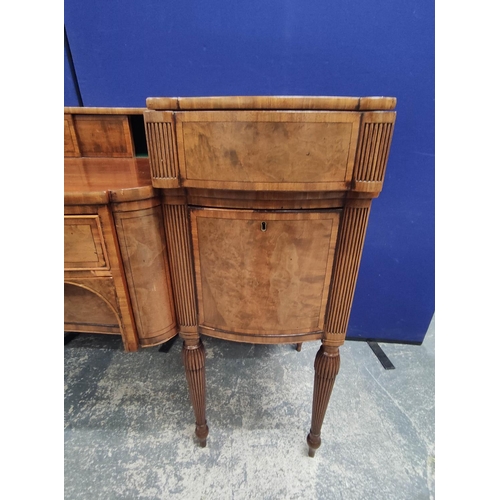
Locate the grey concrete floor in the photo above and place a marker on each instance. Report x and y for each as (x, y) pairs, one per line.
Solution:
(129, 426)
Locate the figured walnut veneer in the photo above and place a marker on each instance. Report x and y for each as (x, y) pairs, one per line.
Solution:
(274, 281)
(247, 147)
(84, 243)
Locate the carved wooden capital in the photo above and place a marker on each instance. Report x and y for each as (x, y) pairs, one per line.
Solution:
(162, 147)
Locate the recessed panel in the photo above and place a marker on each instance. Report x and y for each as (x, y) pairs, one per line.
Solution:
(103, 136)
(83, 243)
(266, 148)
(263, 273)
(84, 310)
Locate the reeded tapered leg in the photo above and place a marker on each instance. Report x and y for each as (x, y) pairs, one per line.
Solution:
(326, 367)
(193, 357)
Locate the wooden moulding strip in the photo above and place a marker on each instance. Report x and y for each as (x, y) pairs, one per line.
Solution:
(165, 183)
(374, 152)
(75, 110)
(159, 339)
(333, 339)
(92, 328)
(372, 187)
(157, 136)
(382, 153)
(365, 145)
(86, 198)
(161, 131)
(135, 205)
(273, 102)
(260, 339)
(263, 186)
(132, 194)
(175, 250)
(169, 148)
(152, 152)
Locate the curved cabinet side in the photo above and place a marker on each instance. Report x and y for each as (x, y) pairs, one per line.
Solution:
(139, 226)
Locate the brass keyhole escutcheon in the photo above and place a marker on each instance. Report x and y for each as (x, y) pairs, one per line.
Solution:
(263, 226)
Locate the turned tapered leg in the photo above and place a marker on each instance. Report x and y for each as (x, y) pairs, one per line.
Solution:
(326, 367)
(194, 364)
(299, 347)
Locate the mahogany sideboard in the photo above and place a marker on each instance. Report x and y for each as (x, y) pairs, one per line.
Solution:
(250, 226)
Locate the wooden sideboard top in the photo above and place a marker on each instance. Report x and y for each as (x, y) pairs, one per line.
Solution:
(273, 102)
(242, 143)
(89, 180)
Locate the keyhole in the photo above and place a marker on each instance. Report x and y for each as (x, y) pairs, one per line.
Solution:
(263, 226)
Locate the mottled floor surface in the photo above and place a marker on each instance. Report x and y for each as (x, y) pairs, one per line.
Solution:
(129, 427)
